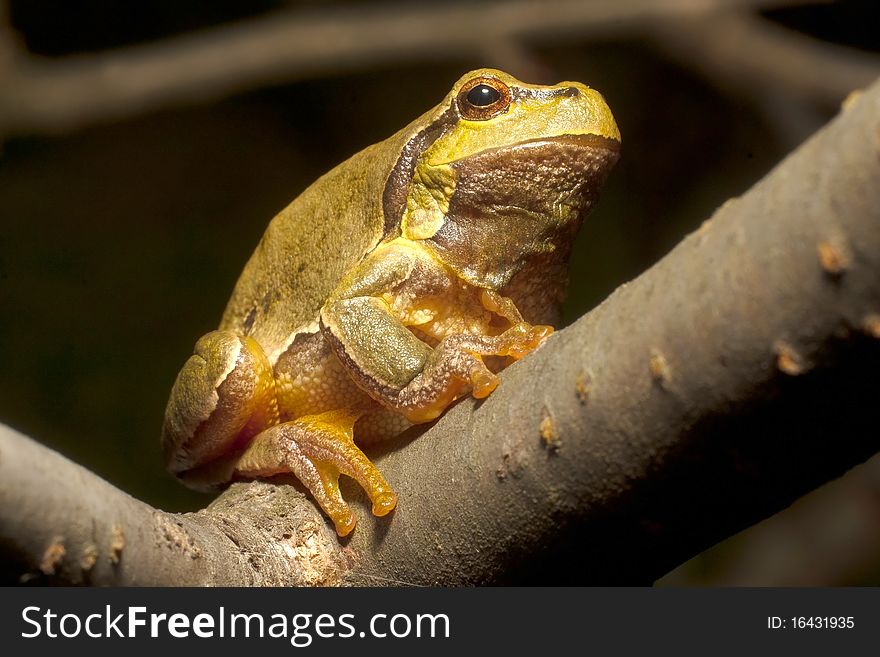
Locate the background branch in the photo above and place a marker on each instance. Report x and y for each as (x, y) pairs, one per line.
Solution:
(827, 538)
(42, 95)
(710, 392)
(743, 51)
(790, 76)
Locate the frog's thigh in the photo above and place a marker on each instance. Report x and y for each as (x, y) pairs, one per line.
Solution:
(317, 449)
(225, 390)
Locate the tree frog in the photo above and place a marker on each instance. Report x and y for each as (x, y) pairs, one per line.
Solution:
(401, 280)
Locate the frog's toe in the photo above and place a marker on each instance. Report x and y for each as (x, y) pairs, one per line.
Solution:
(524, 339)
(384, 503)
(483, 382)
(344, 522)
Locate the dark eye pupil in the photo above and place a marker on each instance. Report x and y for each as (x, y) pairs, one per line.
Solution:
(483, 95)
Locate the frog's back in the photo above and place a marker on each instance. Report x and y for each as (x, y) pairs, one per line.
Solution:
(307, 249)
(328, 229)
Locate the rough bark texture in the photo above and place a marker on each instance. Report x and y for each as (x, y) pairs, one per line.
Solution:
(732, 377)
(60, 522)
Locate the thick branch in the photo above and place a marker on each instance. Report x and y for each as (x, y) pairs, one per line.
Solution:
(732, 377)
(60, 522)
(710, 392)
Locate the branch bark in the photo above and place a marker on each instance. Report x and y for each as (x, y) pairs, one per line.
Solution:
(733, 376)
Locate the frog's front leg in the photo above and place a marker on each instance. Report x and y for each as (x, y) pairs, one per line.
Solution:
(521, 338)
(393, 365)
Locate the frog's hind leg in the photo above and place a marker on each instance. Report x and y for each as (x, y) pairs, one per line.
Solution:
(317, 449)
(223, 396)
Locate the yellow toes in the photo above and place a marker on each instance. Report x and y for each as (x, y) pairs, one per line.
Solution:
(344, 522)
(535, 336)
(483, 382)
(384, 503)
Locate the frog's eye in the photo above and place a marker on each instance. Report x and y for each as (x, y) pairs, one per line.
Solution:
(482, 98)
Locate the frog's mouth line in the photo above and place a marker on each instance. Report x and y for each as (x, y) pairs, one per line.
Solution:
(586, 140)
(570, 142)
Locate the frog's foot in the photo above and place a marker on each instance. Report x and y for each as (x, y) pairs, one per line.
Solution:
(457, 363)
(521, 339)
(317, 449)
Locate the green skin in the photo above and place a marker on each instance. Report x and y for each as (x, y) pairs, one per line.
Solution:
(399, 281)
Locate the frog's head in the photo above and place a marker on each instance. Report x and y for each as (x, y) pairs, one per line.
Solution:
(501, 171)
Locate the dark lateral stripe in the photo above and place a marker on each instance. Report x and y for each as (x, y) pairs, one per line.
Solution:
(398, 182)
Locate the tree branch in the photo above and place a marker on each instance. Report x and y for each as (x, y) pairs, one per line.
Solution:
(742, 51)
(61, 523)
(42, 95)
(830, 537)
(733, 376)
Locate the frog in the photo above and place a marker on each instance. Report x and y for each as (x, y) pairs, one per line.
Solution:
(399, 282)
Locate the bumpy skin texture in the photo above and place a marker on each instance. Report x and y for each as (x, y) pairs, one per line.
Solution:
(403, 279)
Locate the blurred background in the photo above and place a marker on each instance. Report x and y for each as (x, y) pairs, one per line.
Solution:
(145, 146)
